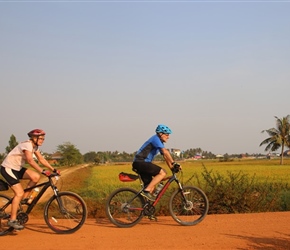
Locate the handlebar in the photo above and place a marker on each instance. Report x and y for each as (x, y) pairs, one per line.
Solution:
(175, 169)
(53, 174)
(48, 173)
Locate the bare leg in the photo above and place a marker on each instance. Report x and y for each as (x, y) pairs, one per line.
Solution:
(34, 178)
(155, 181)
(18, 194)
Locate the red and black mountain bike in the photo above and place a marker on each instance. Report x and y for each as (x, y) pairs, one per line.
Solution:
(125, 207)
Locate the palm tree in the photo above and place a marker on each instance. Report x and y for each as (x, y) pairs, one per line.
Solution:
(279, 137)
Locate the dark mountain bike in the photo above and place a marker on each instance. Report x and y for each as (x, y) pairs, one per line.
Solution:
(125, 207)
(64, 213)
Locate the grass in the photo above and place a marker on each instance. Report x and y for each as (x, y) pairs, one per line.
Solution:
(95, 183)
(262, 169)
(104, 179)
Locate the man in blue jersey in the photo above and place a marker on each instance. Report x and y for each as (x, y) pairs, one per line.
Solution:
(151, 173)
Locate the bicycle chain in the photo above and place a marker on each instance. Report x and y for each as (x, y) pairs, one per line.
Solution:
(149, 209)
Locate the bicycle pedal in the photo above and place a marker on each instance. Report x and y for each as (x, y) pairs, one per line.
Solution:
(152, 217)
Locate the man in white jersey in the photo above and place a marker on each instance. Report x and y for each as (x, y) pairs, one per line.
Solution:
(13, 170)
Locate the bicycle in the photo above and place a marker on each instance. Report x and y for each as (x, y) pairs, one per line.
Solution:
(125, 207)
(65, 212)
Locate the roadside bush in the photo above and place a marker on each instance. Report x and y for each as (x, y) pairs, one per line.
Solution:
(241, 193)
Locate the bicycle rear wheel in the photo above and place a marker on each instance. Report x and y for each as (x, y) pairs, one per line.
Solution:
(124, 207)
(4, 215)
(65, 213)
(191, 210)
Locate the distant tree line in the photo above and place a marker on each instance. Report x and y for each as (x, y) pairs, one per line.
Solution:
(70, 155)
(279, 137)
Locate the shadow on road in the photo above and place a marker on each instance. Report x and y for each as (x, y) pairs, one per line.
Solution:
(264, 243)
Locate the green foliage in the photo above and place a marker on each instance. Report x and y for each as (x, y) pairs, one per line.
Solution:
(2, 156)
(108, 156)
(91, 157)
(71, 156)
(190, 153)
(279, 136)
(241, 193)
(12, 144)
(226, 158)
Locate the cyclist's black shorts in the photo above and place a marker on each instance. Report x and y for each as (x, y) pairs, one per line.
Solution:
(147, 170)
(12, 176)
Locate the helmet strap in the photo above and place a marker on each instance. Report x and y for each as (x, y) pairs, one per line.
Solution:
(35, 142)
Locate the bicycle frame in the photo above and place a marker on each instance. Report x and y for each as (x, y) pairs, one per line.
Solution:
(169, 179)
(45, 186)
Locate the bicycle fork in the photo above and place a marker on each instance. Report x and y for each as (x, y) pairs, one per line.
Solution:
(183, 193)
(59, 202)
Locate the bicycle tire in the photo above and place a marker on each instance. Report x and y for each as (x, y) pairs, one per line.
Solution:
(4, 215)
(120, 212)
(193, 210)
(68, 218)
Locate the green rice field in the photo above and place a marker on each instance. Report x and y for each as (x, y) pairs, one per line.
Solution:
(237, 186)
(267, 174)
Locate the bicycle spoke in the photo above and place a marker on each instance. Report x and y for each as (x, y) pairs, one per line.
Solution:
(192, 209)
(124, 207)
(67, 214)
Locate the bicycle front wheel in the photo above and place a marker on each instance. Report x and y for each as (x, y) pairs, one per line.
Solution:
(4, 215)
(65, 213)
(188, 206)
(124, 207)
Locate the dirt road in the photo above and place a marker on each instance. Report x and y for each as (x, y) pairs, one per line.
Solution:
(241, 231)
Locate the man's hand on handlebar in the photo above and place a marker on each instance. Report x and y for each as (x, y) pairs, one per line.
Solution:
(176, 167)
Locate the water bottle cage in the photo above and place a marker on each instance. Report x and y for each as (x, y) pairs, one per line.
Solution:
(158, 189)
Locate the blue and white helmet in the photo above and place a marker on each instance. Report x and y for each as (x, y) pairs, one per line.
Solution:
(163, 129)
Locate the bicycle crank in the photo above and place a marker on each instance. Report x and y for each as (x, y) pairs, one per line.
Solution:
(148, 209)
(22, 218)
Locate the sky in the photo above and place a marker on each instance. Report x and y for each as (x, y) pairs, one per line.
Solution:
(103, 74)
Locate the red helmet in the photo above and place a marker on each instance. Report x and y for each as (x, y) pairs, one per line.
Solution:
(36, 132)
